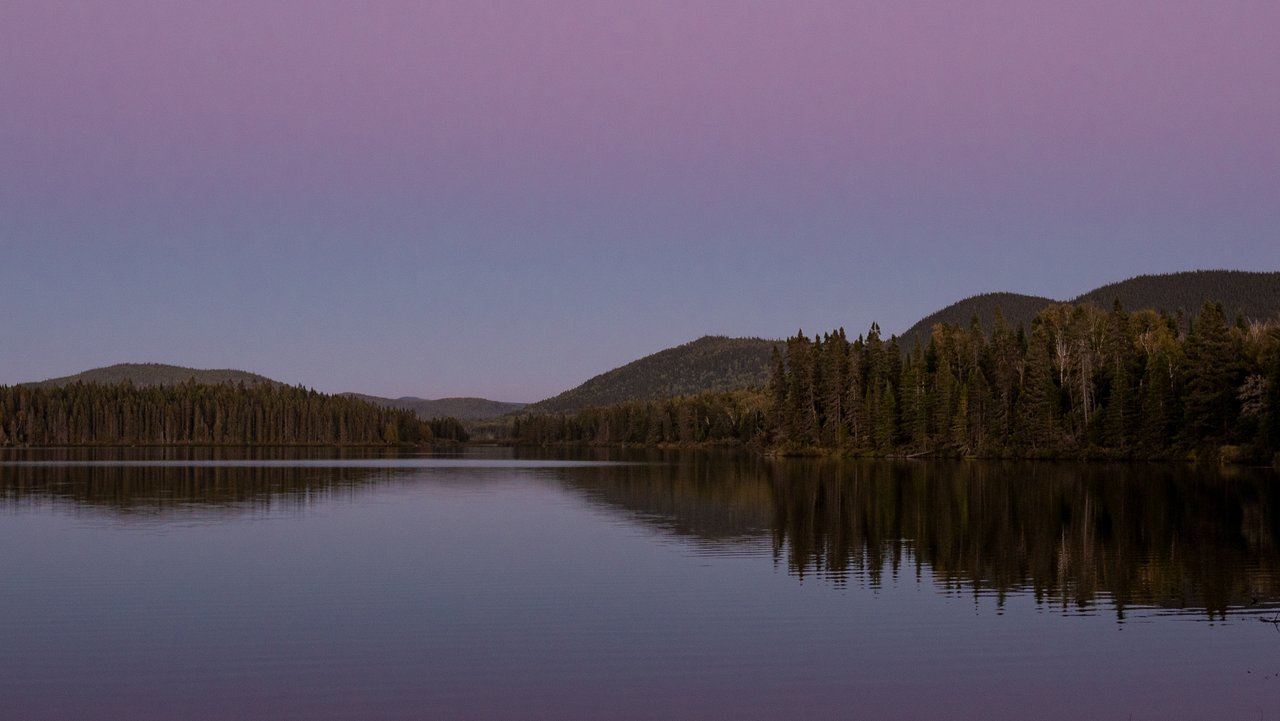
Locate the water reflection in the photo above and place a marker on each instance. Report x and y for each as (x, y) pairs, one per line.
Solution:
(718, 501)
(171, 490)
(1076, 537)
(1073, 535)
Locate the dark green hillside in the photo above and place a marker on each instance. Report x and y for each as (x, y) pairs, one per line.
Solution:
(145, 375)
(711, 363)
(1254, 295)
(466, 409)
(1016, 308)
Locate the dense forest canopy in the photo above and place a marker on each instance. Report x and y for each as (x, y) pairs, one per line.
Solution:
(194, 413)
(1081, 381)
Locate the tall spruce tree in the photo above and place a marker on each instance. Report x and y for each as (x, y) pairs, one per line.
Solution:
(1211, 371)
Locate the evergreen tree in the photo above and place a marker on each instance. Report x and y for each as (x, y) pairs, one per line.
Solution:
(1006, 362)
(1037, 407)
(802, 420)
(1118, 422)
(835, 378)
(1211, 372)
(886, 420)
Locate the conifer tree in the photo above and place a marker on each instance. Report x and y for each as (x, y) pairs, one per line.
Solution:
(1036, 410)
(1211, 370)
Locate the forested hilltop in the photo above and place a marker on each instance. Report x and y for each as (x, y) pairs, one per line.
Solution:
(1256, 296)
(1082, 381)
(156, 374)
(85, 414)
(711, 363)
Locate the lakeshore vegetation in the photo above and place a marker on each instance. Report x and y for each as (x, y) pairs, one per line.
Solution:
(193, 413)
(1082, 381)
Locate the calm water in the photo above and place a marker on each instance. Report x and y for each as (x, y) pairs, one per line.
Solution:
(330, 585)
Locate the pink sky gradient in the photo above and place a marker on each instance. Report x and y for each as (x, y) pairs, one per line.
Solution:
(570, 159)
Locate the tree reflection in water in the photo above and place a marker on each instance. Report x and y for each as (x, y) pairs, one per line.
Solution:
(1074, 535)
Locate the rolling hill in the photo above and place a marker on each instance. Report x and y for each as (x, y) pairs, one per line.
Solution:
(711, 363)
(1253, 295)
(156, 374)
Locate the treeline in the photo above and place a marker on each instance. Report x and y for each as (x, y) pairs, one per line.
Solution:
(726, 418)
(197, 414)
(1081, 382)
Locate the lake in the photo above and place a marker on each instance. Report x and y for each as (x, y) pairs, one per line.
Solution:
(499, 584)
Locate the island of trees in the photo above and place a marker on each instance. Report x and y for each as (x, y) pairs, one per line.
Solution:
(1081, 382)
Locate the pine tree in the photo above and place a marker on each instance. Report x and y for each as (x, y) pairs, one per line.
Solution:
(1036, 410)
(802, 422)
(1211, 371)
(1118, 420)
(835, 379)
(886, 420)
(1006, 361)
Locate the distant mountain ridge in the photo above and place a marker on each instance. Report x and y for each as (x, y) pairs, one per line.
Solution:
(1255, 295)
(710, 363)
(146, 375)
(464, 409)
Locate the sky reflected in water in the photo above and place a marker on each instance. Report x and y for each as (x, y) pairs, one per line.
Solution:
(676, 586)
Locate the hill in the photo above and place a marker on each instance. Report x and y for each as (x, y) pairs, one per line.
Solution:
(146, 375)
(1253, 295)
(466, 409)
(711, 363)
(1015, 307)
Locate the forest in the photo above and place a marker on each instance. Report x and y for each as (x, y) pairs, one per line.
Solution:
(1081, 382)
(191, 413)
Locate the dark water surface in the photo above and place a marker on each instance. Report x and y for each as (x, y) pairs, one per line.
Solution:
(309, 584)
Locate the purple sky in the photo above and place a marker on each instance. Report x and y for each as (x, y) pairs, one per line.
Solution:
(504, 199)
